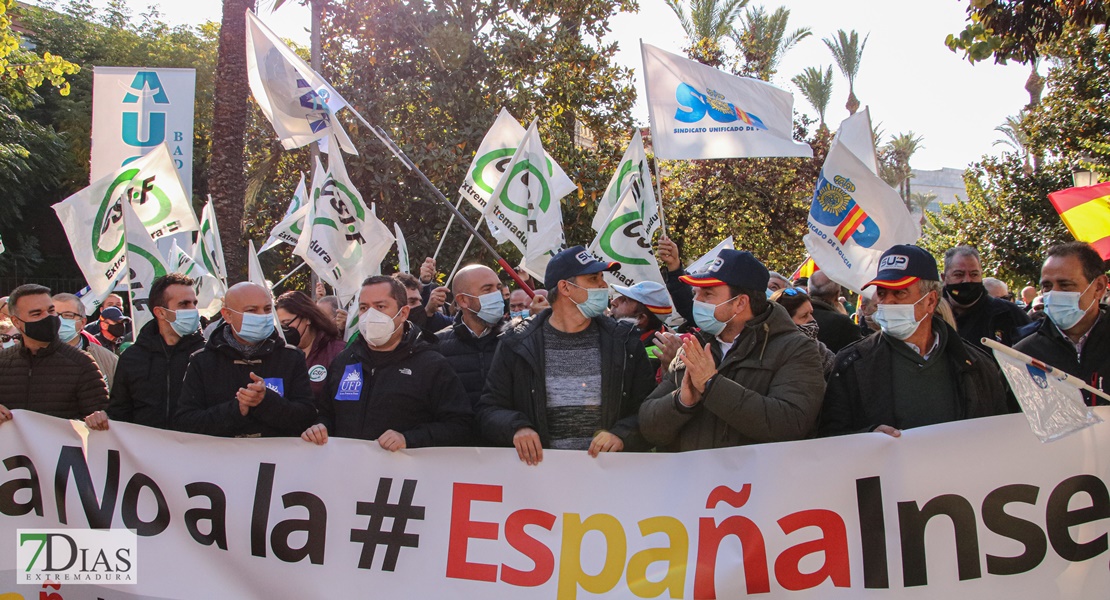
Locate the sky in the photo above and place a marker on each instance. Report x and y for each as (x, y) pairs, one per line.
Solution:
(908, 78)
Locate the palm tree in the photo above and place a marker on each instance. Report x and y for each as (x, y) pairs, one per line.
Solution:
(900, 149)
(847, 51)
(762, 39)
(1015, 137)
(816, 85)
(921, 202)
(706, 22)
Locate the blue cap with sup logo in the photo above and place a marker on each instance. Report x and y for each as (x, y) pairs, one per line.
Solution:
(573, 262)
(903, 265)
(731, 267)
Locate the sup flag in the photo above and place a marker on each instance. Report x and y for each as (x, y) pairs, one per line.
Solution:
(490, 163)
(207, 286)
(526, 204)
(209, 249)
(288, 230)
(145, 263)
(622, 239)
(343, 241)
(700, 264)
(856, 134)
(93, 218)
(297, 101)
(697, 111)
(1086, 212)
(1053, 406)
(402, 250)
(854, 218)
(632, 175)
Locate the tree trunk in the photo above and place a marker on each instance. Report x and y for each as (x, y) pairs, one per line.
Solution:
(1035, 86)
(853, 102)
(227, 179)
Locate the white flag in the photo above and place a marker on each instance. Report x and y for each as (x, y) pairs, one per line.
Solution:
(209, 249)
(256, 276)
(207, 286)
(1053, 407)
(632, 174)
(623, 240)
(145, 263)
(402, 250)
(490, 163)
(298, 102)
(707, 258)
(856, 134)
(697, 111)
(343, 241)
(854, 218)
(526, 204)
(1, 246)
(288, 230)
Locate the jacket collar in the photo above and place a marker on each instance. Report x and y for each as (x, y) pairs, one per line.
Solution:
(757, 332)
(150, 338)
(218, 343)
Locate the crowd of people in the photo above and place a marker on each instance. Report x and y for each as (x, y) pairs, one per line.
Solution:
(730, 354)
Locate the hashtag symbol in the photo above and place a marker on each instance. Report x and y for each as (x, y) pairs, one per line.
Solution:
(374, 535)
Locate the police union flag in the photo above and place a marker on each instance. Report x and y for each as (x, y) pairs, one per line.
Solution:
(700, 112)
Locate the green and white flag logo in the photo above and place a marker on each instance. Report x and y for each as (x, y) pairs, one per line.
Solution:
(208, 287)
(623, 240)
(632, 175)
(145, 263)
(288, 230)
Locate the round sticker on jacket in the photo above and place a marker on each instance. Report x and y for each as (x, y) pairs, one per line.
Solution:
(317, 374)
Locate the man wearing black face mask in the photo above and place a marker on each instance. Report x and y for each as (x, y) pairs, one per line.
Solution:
(978, 315)
(44, 374)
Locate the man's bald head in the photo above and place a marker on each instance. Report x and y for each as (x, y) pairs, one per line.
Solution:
(472, 278)
(243, 296)
(820, 286)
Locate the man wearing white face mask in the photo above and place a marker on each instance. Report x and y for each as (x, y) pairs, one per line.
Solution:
(150, 371)
(246, 382)
(1076, 335)
(389, 384)
(469, 343)
(917, 371)
(72, 315)
(749, 377)
(569, 378)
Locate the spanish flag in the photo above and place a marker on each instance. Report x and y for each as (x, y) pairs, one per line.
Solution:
(806, 269)
(1086, 212)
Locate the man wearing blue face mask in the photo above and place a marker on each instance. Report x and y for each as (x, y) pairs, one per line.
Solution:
(749, 377)
(246, 382)
(1076, 335)
(469, 343)
(569, 378)
(72, 315)
(917, 371)
(150, 371)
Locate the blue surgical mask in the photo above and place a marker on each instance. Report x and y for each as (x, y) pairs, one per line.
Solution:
(493, 307)
(597, 300)
(186, 321)
(706, 319)
(898, 320)
(255, 328)
(1063, 307)
(522, 314)
(67, 330)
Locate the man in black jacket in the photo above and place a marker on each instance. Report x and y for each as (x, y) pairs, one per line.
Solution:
(1076, 335)
(569, 378)
(389, 385)
(917, 371)
(246, 382)
(834, 329)
(469, 343)
(150, 372)
(978, 314)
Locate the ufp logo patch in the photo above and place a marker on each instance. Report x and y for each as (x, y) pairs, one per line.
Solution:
(897, 262)
(76, 556)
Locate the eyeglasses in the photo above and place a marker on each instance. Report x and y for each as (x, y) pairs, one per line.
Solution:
(5, 338)
(794, 292)
(72, 316)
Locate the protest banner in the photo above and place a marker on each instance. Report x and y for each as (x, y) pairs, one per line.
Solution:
(973, 509)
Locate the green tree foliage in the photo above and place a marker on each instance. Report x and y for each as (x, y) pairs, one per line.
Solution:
(1016, 29)
(847, 51)
(763, 39)
(816, 85)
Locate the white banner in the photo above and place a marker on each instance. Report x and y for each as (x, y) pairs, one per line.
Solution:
(697, 111)
(708, 257)
(135, 110)
(145, 263)
(632, 174)
(974, 509)
(208, 288)
(288, 230)
(622, 239)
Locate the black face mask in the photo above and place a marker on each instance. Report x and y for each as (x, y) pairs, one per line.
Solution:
(966, 293)
(417, 316)
(292, 336)
(45, 330)
(117, 329)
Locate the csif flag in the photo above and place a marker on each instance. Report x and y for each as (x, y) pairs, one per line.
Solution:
(526, 204)
(490, 163)
(209, 249)
(402, 250)
(697, 111)
(632, 175)
(207, 287)
(288, 230)
(343, 240)
(853, 219)
(622, 239)
(257, 276)
(298, 102)
(145, 263)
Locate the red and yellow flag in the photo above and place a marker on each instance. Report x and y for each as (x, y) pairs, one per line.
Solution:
(1086, 212)
(806, 269)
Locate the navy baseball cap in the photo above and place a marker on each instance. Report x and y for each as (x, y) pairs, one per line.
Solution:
(737, 268)
(573, 262)
(112, 314)
(904, 264)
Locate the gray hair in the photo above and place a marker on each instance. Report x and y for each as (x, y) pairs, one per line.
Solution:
(774, 275)
(996, 285)
(964, 250)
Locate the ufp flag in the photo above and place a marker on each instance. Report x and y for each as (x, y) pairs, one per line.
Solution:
(855, 132)
(209, 249)
(288, 230)
(526, 204)
(632, 175)
(93, 217)
(623, 239)
(697, 111)
(402, 250)
(144, 264)
(343, 241)
(1086, 212)
(703, 262)
(299, 103)
(490, 163)
(1053, 407)
(208, 287)
(854, 218)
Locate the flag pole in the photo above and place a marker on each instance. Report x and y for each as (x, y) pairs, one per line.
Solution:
(1049, 369)
(443, 236)
(388, 142)
(451, 277)
(659, 193)
(290, 274)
